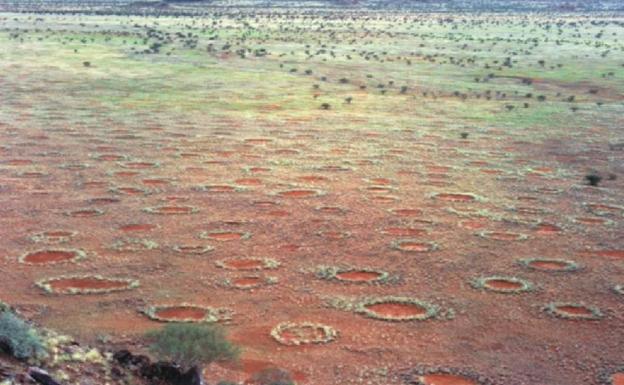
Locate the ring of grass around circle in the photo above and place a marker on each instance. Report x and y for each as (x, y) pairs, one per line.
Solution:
(259, 281)
(31, 174)
(264, 263)
(423, 247)
(213, 235)
(138, 164)
(171, 210)
(212, 314)
(77, 213)
(460, 197)
(74, 166)
(590, 312)
(300, 193)
(219, 188)
(567, 265)
(134, 245)
(47, 284)
(332, 273)
(329, 334)
(482, 284)
(78, 256)
(334, 235)
(193, 249)
(492, 235)
(53, 236)
(131, 190)
(430, 310)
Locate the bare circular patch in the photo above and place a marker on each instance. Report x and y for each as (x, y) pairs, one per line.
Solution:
(503, 236)
(86, 284)
(573, 311)
(137, 227)
(249, 282)
(397, 309)
(50, 256)
(138, 165)
(549, 265)
(300, 193)
(85, 213)
(352, 274)
(506, 285)
(455, 197)
(406, 212)
(248, 263)
(224, 235)
(414, 246)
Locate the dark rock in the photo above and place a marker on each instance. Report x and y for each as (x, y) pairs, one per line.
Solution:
(166, 371)
(41, 376)
(123, 357)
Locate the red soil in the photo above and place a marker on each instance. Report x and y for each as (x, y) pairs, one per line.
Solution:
(248, 181)
(139, 165)
(247, 281)
(358, 276)
(156, 182)
(244, 264)
(547, 229)
(407, 212)
(49, 256)
(397, 310)
(548, 265)
(57, 234)
(611, 253)
(130, 190)
(404, 231)
(503, 284)
(181, 313)
(575, 310)
(137, 227)
(298, 193)
(414, 246)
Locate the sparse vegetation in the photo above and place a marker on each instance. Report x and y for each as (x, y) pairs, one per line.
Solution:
(18, 338)
(192, 345)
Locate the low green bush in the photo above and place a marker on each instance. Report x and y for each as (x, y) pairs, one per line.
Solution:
(18, 338)
(192, 345)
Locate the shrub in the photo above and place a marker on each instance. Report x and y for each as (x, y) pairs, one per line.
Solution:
(192, 345)
(19, 338)
(593, 179)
